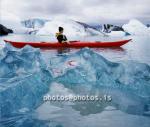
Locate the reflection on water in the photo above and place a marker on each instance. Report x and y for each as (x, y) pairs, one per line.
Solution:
(63, 50)
(23, 120)
(124, 107)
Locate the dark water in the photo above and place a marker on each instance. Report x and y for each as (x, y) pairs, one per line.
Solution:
(125, 110)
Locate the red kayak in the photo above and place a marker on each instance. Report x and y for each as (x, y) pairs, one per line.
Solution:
(71, 44)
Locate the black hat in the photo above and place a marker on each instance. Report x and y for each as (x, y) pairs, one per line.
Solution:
(60, 29)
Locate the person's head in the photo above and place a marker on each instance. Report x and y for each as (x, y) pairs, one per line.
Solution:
(61, 29)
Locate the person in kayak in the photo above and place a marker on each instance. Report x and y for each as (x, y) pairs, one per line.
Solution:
(60, 36)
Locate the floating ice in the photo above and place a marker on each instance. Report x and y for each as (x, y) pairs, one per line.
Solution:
(72, 28)
(135, 27)
(23, 79)
(95, 69)
(13, 22)
(34, 23)
(117, 33)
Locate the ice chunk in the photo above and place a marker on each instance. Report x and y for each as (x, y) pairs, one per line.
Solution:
(34, 23)
(92, 68)
(72, 28)
(23, 110)
(23, 79)
(16, 61)
(135, 27)
(117, 33)
(13, 22)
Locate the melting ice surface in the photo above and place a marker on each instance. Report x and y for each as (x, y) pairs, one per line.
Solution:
(27, 74)
(23, 79)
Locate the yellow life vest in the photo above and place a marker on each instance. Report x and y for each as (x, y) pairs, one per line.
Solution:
(57, 34)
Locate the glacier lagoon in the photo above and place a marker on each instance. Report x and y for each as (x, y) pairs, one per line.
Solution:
(28, 74)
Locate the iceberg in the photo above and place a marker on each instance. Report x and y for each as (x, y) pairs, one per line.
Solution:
(86, 72)
(23, 79)
(117, 33)
(13, 22)
(35, 23)
(88, 67)
(72, 28)
(95, 27)
(135, 27)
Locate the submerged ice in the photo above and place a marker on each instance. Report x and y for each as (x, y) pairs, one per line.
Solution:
(25, 77)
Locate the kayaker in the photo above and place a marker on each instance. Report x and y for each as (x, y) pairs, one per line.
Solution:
(60, 36)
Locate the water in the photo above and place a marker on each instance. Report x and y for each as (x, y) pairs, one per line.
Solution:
(127, 109)
(137, 49)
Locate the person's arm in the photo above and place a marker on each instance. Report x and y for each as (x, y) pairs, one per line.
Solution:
(64, 38)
